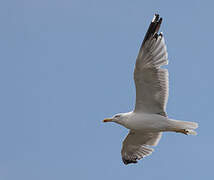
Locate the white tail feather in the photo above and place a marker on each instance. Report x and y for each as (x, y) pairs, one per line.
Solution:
(184, 127)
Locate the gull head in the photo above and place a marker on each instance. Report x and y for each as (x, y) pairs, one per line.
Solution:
(117, 118)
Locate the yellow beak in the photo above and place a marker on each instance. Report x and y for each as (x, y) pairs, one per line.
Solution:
(107, 120)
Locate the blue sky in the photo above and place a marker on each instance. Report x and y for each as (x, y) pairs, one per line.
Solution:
(66, 65)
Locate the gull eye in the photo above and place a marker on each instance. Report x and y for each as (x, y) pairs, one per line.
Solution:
(117, 116)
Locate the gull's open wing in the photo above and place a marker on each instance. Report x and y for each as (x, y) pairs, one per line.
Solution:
(137, 145)
(151, 80)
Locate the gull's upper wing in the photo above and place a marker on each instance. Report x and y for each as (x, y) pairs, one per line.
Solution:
(151, 80)
(136, 145)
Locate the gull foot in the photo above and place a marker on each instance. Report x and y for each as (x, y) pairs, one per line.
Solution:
(184, 131)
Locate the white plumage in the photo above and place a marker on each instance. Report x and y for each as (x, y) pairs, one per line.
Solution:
(149, 118)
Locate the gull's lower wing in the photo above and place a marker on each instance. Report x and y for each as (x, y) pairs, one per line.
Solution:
(151, 81)
(137, 145)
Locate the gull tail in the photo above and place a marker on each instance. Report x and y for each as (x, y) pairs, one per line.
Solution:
(184, 127)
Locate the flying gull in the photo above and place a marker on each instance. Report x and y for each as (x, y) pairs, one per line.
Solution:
(149, 119)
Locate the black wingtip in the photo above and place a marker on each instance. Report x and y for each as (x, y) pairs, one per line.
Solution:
(160, 20)
(129, 161)
(153, 28)
(158, 25)
(155, 18)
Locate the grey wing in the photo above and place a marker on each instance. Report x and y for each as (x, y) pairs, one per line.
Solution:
(137, 145)
(151, 81)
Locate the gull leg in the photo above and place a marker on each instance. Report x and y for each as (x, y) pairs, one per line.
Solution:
(184, 131)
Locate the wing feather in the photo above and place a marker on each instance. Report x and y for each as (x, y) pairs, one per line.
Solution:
(137, 145)
(151, 81)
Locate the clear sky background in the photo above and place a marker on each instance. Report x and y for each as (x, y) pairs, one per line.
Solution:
(68, 64)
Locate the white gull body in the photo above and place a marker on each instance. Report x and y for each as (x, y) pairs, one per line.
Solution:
(149, 118)
(144, 122)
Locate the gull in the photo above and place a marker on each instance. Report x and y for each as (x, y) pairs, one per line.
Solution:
(149, 119)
